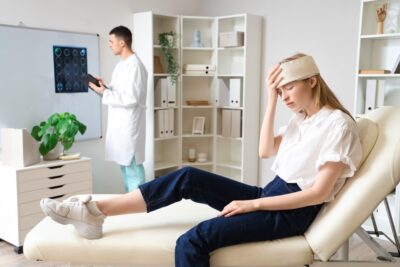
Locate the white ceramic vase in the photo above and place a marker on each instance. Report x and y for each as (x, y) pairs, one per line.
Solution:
(55, 153)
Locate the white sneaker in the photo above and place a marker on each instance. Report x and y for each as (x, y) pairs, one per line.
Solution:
(75, 211)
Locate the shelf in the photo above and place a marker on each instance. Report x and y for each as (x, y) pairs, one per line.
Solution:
(166, 154)
(379, 75)
(228, 107)
(165, 165)
(165, 138)
(378, 52)
(230, 138)
(230, 75)
(230, 164)
(197, 135)
(196, 163)
(199, 75)
(193, 106)
(188, 48)
(231, 48)
(159, 47)
(380, 36)
(161, 108)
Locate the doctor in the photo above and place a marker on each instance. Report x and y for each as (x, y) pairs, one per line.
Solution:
(126, 101)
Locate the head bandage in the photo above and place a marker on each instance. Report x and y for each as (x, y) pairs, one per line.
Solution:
(298, 69)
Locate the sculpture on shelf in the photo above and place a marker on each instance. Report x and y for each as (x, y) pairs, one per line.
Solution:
(380, 18)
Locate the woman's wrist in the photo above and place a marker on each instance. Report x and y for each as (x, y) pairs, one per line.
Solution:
(257, 204)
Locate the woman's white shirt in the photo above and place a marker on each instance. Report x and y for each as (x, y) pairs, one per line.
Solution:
(308, 143)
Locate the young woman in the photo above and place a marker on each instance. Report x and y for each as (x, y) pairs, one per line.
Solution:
(315, 153)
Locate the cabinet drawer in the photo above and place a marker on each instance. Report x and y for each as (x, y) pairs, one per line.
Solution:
(61, 169)
(29, 221)
(53, 181)
(55, 192)
(34, 206)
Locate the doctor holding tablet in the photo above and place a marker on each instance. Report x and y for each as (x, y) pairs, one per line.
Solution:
(125, 97)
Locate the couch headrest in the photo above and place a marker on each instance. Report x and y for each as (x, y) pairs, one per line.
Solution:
(368, 135)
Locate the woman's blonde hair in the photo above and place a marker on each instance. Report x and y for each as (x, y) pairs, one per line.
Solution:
(321, 93)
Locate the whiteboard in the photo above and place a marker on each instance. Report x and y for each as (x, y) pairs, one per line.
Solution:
(28, 88)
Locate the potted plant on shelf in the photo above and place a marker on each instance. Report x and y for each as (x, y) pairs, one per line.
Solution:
(167, 42)
(60, 128)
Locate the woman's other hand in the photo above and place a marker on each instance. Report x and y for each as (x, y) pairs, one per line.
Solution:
(238, 207)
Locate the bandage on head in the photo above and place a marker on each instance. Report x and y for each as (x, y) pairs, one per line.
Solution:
(298, 69)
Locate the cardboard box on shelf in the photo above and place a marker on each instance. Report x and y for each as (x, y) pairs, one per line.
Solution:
(231, 39)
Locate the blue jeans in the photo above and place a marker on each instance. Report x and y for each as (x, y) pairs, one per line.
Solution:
(133, 175)
(194, 246)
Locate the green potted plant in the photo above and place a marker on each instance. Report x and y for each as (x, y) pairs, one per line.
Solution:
(167, 42)
(59, 128)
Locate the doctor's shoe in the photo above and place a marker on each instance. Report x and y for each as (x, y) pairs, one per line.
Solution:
(83, 214)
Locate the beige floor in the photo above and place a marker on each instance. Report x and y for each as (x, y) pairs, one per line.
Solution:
(358, 252)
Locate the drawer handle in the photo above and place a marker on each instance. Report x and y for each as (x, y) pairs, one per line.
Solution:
(59, 196)
(56, 167)
(56, 186)
(56, 177)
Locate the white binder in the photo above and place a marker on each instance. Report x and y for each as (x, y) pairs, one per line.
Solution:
(380, 94)
(222, 94)
(166, 122)
(234, 92)
(171, 93)
(226, 122)
(200, 72)
(370, 95)
(171, 121)
(236, 123)
(189, 67)
(160, 93)
(159, 125)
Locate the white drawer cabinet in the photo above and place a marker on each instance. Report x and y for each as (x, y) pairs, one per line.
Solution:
(22, 188)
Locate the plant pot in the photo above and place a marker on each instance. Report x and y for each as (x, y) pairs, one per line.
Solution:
(170, 39)
(54, 154)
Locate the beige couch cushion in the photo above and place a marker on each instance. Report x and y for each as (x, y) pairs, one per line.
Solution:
(149, 240)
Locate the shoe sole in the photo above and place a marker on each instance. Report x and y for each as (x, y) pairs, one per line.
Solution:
(85, 230)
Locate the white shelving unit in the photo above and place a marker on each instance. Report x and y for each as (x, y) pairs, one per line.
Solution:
(379, 52)
(232, 157)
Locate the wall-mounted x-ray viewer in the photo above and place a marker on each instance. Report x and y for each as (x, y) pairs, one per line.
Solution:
(70, 69)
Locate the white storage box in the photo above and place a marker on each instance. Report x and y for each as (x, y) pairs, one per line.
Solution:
(231, 39)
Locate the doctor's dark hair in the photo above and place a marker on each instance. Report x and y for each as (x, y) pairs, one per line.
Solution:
(321, 93)
(123, 33)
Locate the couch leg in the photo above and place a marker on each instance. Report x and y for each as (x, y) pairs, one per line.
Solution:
(372, 244)
(19, 249)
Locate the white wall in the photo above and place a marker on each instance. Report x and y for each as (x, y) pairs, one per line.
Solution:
(92, 16)
(327, 30)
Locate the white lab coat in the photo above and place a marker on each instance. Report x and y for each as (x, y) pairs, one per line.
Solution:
(126, 101)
